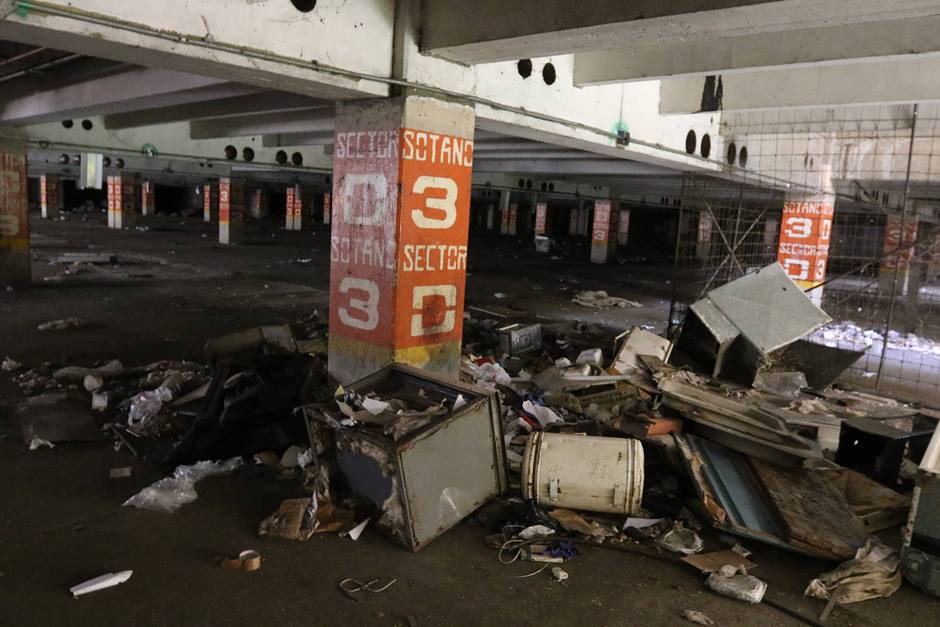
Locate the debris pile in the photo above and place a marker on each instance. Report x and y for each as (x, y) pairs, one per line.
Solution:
(550, 441)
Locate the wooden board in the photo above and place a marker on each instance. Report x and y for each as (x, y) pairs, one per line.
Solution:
(814, 513)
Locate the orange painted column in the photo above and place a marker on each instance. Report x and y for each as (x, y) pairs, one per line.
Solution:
(50, 196)
(398, 245)
(122, 201)
(895, 264)
(602, 231)
(805, 234)
(147, 199)
(293, 213)
(15, 268)
(541, 216)
(231, 211)
(327, 208)
(210, 201)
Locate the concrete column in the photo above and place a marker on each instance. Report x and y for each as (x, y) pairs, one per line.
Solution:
(541, 216)
(504, 197)
(770, 232)
(231, 211)
(805, 233)
(15, 268)
(623, 228)
(512, 221)
(122, 201)
(293, 211)
(601, 241)
(210, 201)
(584, 218)
(703, 236)
(398, 250)
(490, 217)
(327, 208)
(258, 203)
(892, 265)
(148, 205)
(51, 196)
(573, 219)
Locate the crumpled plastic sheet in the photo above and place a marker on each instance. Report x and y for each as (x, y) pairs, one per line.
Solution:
(682, 540)
(543, 414)
(488, 375)
(874, 573)
(146, 405)
(170, 493)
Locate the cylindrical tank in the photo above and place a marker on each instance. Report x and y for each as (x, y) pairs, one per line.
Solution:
(583, 472)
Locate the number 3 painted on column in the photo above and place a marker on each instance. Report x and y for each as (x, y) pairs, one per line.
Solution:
(447, 204)
(369, 307)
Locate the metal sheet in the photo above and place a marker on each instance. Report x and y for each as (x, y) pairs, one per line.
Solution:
(821, 364)
(715, 321)
(752, 429)
(432, 478)
(768, 308)
(735, 486)
(449, 473)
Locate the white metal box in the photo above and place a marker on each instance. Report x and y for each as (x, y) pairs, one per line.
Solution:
(428, 481)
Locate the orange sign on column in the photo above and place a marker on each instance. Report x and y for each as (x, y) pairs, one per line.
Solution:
(541, 214)
(210, 201)
(231, 211)
(894, 241)
(398, 247)
(147, 199)
(327, 207)
(600, 238)
(805, 233)
(50, 195)
(14, 220)
(294, 210)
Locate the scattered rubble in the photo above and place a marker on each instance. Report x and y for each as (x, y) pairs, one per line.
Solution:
(848, 333)
(599, 299)
(62, 324)
(554, 438)
(694, 616)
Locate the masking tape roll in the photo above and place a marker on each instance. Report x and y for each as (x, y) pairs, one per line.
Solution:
(248, 560)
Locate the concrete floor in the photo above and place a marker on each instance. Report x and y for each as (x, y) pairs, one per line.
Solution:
(61, 520)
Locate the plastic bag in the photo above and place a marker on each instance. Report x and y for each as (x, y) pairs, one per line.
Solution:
(170, 493)
(737, 584)
(872, 574)
(682, 540)
(146, 405)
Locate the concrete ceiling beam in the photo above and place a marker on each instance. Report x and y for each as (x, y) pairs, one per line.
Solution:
(908, 38)
(875, 82)
(251, 101)
(123, 91)
(500, 30)
(318, 119)
(570, 167)
(286, 140)
(265, 44)
(549, 152)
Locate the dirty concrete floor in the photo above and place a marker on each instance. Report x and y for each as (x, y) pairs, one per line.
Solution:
(61, 520)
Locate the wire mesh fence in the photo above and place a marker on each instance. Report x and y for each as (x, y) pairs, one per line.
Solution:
(725, 230)
(879, 267)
